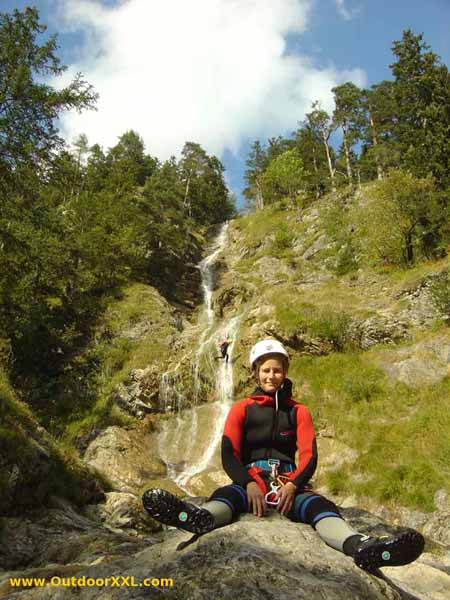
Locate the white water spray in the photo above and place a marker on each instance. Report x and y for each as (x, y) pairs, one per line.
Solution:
(224, 389)
(189, 442)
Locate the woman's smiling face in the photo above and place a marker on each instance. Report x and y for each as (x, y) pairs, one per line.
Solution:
(271, 373)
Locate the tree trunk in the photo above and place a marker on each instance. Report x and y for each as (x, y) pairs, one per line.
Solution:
(330, 166)
(316, 172)
(347, 157)
(259, 195)
(380, 173)
(409, 247)
(186, 201)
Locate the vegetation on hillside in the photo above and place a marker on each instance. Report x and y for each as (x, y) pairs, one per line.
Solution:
(394, 133)
(78, 223)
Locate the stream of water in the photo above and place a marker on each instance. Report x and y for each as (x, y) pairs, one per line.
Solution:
(189, 442)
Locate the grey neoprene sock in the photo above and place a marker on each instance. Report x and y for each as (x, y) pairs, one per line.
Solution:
(334, 532)
(222, 513)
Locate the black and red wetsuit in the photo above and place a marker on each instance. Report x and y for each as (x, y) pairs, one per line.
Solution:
(257, 429)
(272, 426)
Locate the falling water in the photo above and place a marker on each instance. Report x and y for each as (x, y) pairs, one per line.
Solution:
(189, 442)
(207, 272)
(224, 388)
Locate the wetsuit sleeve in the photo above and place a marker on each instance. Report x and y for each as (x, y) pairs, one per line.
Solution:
(231, 445)
(306, 446)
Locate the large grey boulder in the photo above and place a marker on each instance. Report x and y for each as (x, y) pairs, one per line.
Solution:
(424, 363)
(128, 458)
(254, 558)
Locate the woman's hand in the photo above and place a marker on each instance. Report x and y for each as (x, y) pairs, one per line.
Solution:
(256, 499)
(286, 494)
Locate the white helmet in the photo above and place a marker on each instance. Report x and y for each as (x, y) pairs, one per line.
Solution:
(267, 347)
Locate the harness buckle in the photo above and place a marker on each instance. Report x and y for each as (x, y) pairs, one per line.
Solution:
(273, 463)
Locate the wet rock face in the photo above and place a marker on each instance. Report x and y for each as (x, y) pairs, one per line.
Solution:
(127, 458)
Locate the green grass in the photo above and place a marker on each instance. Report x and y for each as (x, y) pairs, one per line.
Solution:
(401, 435)
(115, 354)
(268, 232)
(326, 323)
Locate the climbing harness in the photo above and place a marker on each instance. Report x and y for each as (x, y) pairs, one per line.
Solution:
(271, 496)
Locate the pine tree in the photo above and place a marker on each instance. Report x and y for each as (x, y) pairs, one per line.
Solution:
(422, 91)
(256, 164)
(28, 107)
(380, 150)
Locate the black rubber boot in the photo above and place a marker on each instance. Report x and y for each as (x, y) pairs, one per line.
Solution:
(170, 510)
(389, 551)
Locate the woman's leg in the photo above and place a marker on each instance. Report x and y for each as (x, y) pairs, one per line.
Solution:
(368, 552)
(223, 505)
(324, 516)
(226, 503)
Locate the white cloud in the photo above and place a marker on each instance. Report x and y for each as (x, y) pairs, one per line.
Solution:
(345, 12)
(211, 71)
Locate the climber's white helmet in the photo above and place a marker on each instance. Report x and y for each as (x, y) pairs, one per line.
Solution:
(267, 347)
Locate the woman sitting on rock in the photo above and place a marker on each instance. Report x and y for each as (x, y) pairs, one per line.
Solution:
(261, 436)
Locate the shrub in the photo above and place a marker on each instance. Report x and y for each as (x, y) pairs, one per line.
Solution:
(283, 237)
(440, 295)
(401, 220)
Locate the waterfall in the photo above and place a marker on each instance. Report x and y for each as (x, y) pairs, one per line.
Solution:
(189, 442)
(224, 388)
(206, 268)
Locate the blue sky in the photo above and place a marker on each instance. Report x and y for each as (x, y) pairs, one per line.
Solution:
(225, 72)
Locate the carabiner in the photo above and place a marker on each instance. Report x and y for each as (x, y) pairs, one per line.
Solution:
(273, 491)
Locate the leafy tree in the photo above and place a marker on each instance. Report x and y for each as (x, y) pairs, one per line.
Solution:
(348, 115)
(403, 218)
(278, 145)
(321, 126)
(284, 177)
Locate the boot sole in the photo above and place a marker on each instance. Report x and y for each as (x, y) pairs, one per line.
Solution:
(400, 550)
(170, 510)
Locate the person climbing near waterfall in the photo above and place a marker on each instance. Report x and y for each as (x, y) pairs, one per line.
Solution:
(224, 349)
(261, 436)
